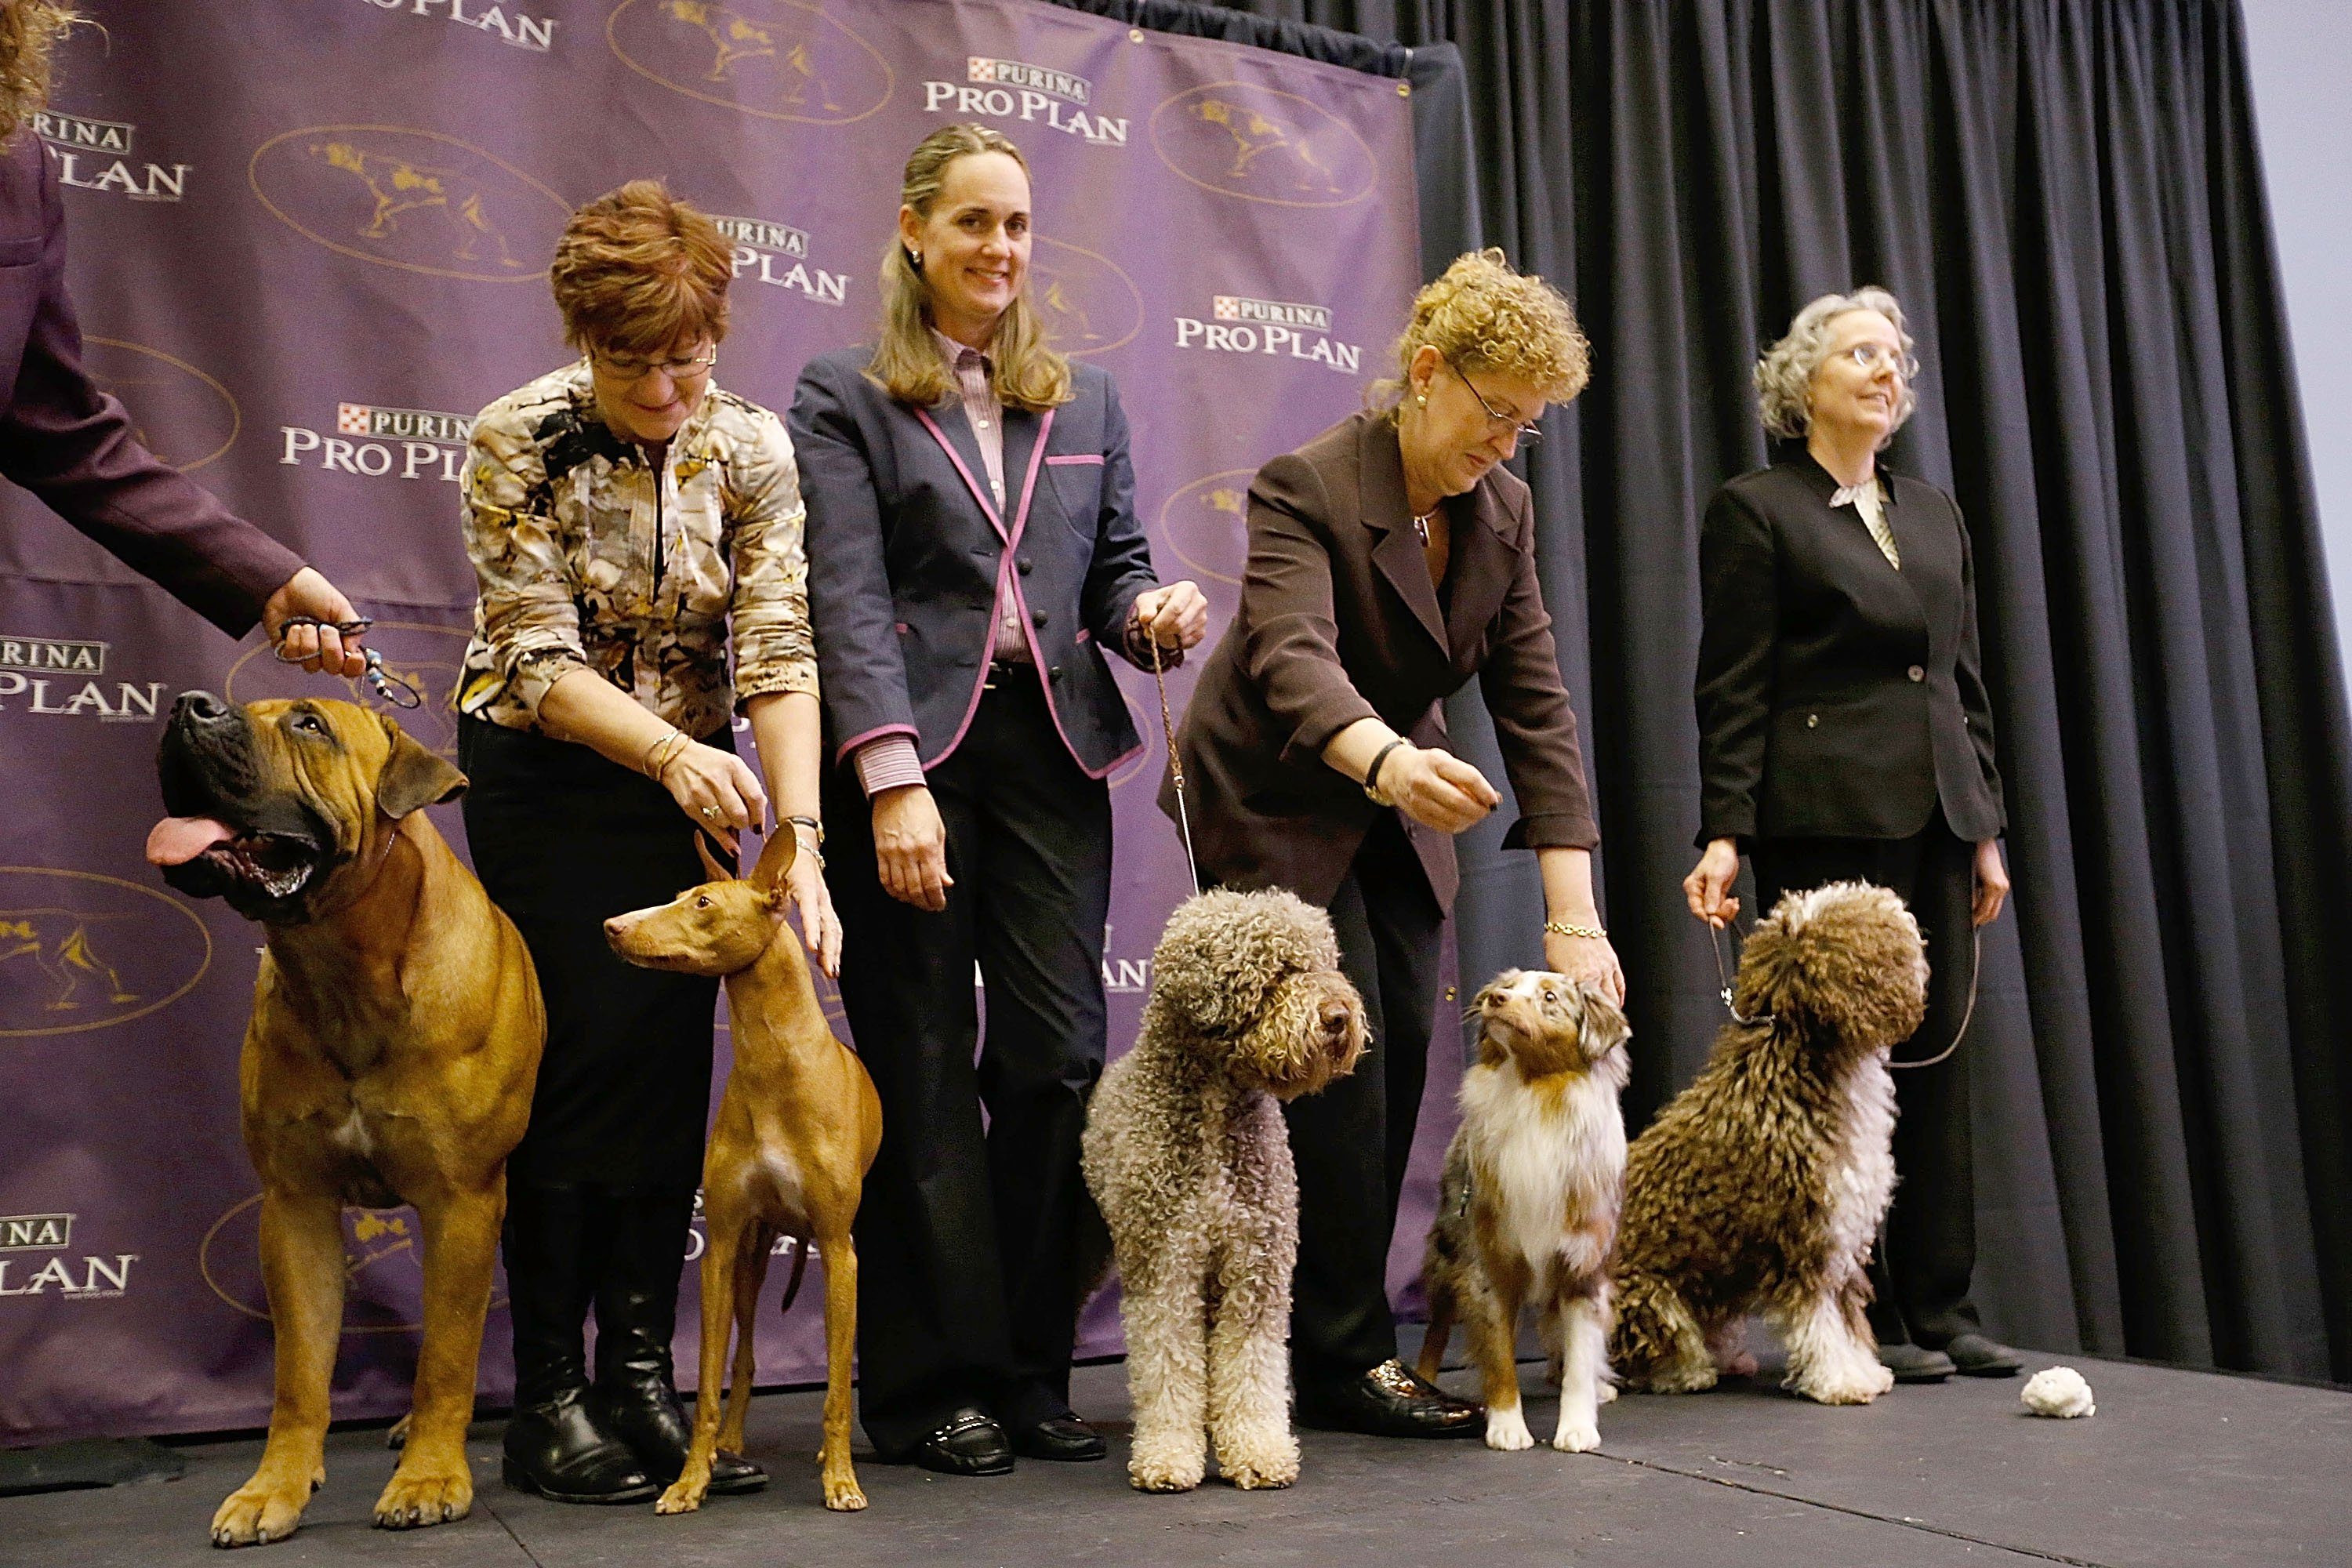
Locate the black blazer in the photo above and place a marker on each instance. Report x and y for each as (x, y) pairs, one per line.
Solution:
(1337, 623)
(1838, 697)
(906, 548)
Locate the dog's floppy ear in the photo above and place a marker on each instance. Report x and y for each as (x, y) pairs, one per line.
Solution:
(1600, 1027)
(412, 776)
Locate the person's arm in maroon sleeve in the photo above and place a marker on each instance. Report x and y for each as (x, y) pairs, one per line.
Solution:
(72, 445)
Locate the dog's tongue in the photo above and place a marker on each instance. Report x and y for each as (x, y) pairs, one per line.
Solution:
(177, 840)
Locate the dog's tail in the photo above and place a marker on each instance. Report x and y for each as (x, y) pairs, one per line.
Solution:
(800, 1267)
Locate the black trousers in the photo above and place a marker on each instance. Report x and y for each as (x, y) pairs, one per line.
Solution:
(967, 1236)
(564, 839)
(1927, 1248)
(1352, 1141)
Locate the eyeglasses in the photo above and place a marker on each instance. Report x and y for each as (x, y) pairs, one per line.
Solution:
(1528, 433)
(1868, 357)
(635, 368)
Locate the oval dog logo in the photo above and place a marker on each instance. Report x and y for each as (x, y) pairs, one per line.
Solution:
(383, 1271)
(1263, 145)
(779, 59)
(82, 952)
(410, 198)
(180, 413)
(1088, 304)
(1205, 526)
(428, 659)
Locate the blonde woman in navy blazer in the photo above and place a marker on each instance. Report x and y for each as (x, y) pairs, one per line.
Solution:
(973, 550)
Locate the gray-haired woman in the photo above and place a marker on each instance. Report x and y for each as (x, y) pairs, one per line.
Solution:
(1845, 733)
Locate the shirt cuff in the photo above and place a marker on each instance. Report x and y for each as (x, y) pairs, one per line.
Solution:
(888, 762)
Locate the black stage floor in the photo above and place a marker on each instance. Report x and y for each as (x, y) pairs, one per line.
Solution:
(2176, 1468)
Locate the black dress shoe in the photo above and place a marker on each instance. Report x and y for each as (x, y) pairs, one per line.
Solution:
(556, 1450)
(1391, 1401)
(1063, 1437)
(1915, 1363)
(1974, 1355)
(968, 1443)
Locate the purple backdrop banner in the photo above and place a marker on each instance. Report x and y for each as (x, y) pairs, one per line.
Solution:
(308, 240)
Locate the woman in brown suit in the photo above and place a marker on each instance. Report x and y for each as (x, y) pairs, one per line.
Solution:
(1390, 559)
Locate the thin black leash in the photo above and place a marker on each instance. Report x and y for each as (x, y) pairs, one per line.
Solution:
(1968, 1015)
(400, 693)
(1175, 762)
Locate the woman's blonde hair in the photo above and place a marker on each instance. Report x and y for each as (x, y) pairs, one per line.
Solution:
(907, 364)
(29, 31)
(639, 270)
(1784, 376)
(1484, 315)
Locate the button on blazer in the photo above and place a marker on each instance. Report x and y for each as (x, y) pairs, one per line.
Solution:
(1338, 622)
(1837, 696)
(907, 546)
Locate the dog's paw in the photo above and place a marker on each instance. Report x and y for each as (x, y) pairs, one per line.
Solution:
(1507, 1429)
(1606, 1394)
(1579, 1437)
(684, 1496)
(415, 1498)
(1737, 1363)
(260, 1512)
(1858, 1386)
(1882, 1377)
(1148, 1476)
(842, 1495)
(1262, 1461)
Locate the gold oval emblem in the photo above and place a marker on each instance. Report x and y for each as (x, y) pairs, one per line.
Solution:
(180, 413)
(410, 198)
(85, 951)
(778, 59)
(1263, 145)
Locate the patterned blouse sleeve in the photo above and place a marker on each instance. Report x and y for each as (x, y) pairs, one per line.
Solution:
(775, 649)
(529, 614)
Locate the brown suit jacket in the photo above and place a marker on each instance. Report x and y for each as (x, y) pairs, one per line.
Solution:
(1338, 622)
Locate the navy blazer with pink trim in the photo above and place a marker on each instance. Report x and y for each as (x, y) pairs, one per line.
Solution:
(907, 549)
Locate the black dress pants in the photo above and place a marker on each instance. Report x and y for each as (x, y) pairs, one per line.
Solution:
(967, 1235)
(1352, 1141)
(564, 839)
(1927, 1248)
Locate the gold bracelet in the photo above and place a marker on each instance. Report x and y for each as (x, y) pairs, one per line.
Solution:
(1564, 928)
(668, 746)
(646, 763)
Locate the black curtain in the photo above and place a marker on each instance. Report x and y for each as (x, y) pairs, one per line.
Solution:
(2067, 196)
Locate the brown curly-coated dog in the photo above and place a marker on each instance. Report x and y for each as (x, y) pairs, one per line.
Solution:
(1760, 1187)
(1187, 1156)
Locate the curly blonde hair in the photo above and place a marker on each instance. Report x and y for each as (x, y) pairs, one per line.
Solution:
(1029, 375)
(1784, 376)
(637, 270)
(29, 31)
(1484, 315)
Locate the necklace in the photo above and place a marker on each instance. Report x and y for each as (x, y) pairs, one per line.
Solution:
(1420, 526)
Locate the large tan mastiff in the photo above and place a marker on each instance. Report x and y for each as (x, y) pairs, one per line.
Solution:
(395, 1036)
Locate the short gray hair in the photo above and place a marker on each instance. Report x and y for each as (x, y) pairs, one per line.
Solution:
(1785, 374)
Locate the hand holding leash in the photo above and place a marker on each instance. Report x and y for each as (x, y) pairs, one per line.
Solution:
(306, 619)
(334, 647)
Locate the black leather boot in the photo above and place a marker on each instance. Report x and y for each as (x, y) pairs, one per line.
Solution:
(637, 1313)
(555, 1446)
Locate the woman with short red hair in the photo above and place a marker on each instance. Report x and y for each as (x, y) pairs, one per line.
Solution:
(631, 525)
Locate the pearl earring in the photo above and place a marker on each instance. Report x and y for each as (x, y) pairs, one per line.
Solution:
(915, 259)
(1421, 401)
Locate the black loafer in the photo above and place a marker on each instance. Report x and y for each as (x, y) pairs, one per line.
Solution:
(968, 1443)
(1391, 1401)
(1063, 1438)
(1974, 1355)
(1915, 1364)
